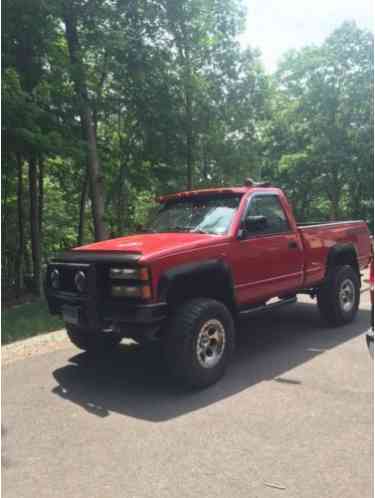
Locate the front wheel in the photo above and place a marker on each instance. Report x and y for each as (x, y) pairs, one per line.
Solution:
(92, 341)
(199, 342)
(338, 297)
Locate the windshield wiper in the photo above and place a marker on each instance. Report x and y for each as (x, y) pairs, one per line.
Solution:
(190, 229)
(179, 228)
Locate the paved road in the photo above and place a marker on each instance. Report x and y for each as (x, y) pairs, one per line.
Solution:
(292, 418)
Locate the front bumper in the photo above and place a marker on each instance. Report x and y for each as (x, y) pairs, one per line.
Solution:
(95, 308)
(131, 320)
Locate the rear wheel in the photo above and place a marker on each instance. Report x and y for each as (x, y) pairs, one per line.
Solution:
(338, 297)
(199, 342)
(91, 341)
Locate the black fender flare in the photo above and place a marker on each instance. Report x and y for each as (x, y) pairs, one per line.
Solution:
(346, 251)
(198, 269)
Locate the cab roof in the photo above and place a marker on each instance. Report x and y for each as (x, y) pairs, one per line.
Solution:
(204, 192)
(249, 184)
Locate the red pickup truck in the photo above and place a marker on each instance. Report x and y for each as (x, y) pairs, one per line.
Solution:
(209, 258)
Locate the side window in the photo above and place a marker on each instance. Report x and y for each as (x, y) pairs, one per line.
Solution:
(270, 207)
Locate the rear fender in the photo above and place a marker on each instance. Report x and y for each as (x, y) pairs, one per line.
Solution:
(342, 254)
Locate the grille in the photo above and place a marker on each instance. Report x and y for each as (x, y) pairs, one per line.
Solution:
(67, 274)
(98, 284)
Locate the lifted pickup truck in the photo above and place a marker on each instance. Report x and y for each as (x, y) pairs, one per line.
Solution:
(210, 257)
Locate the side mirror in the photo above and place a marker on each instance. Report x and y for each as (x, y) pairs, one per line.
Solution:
(255, 223)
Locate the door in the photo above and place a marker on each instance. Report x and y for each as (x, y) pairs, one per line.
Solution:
(268, 259)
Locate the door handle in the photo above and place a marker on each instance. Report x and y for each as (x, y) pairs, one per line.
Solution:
(292, 244)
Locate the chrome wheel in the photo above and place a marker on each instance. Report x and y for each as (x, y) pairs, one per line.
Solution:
(211, 343)
(347, 295)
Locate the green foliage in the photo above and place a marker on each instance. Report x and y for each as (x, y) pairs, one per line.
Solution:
(324, 125)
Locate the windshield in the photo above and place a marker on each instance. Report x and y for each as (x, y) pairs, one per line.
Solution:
(201, 215)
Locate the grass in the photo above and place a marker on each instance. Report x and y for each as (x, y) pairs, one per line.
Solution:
(26, 320)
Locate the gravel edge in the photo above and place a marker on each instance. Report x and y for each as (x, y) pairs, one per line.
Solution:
(39, 344)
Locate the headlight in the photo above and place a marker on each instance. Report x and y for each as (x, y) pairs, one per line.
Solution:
(139, 288)
(129, 274)
(143, 291)
(80, 280)
(55, 278)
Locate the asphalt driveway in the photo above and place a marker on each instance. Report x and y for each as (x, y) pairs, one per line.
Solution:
(292, 418)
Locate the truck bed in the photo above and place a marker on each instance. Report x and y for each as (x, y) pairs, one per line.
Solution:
(319, 238)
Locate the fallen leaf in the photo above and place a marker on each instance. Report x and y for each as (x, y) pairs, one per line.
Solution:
(274, 485)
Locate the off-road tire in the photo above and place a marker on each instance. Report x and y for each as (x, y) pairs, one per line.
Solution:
(181, 339)
(330, 305)
(90, 341)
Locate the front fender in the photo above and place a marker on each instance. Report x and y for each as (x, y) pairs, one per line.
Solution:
(208, 278)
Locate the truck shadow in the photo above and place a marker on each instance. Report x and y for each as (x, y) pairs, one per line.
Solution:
(134, 381)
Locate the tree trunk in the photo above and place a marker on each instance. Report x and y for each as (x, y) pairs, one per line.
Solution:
(334, 197)
(121, 200)
(334, 210)
(34, 225)
(189, 121)
(4, 219)
(79, 79)
(41, 197)
(189, 142)
(184, 48)
(95, 177)
(21, 229)
(82, 205)
(5, 192)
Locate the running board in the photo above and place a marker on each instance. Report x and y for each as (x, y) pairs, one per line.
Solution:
(268, 307)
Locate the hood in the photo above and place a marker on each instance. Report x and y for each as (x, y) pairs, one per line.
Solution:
(153, 244)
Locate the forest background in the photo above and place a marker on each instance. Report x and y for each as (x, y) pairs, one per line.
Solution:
(107, 104)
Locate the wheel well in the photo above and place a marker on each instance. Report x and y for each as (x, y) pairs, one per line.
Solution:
(214, 283)
(343, 255)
